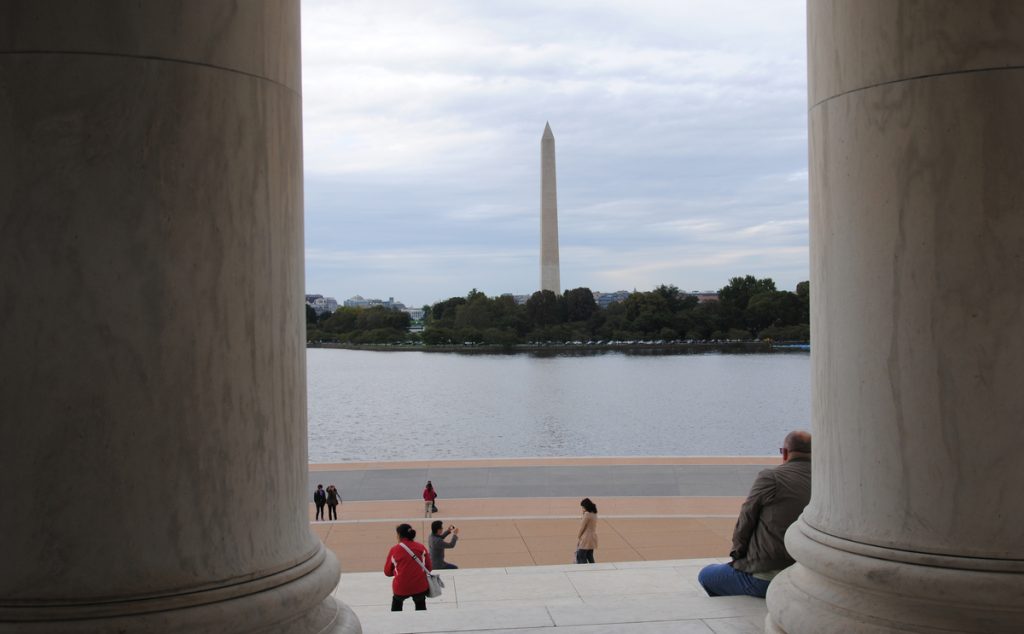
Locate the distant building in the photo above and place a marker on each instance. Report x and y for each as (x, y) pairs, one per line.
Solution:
(704, 296)
(357, 301)
(605, 299)
(392, 304)
(518, 299)
(322, 304)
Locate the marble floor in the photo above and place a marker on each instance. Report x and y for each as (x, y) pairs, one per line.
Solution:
(647, 597)
(515, 550)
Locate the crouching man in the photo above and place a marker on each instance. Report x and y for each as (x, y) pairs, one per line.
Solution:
(438, 545)
(776, 500)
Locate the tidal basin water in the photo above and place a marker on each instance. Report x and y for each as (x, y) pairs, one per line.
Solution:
(370, 405)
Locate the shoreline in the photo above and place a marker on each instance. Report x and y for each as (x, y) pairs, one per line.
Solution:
(472, 463)
(583, 349)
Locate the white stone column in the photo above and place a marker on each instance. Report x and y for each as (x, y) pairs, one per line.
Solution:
(152, 362)
(917, 286)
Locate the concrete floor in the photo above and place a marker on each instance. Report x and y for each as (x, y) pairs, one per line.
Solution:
(655, 597)
(607, 477)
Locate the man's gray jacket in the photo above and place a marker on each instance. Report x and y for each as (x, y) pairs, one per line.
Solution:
(776, 500)
(437, 545)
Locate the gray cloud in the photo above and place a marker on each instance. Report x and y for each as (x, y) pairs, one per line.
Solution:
(680, 129)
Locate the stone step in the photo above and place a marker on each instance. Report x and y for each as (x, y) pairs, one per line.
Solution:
(645, 596)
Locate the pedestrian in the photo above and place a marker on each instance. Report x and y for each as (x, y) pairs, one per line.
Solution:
(320, 499)
(403, 563)
(777, 497)
(333, 500)
(586, 539)
(438, 545)
(429, 495)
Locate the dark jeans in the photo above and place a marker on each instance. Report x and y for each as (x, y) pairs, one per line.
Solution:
(332, 511)
(319, 511)
(722, 580)
(419, 600)
(447, 566)
(584, 556)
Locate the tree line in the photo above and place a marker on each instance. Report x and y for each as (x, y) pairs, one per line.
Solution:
(358, 325)
(747, 308)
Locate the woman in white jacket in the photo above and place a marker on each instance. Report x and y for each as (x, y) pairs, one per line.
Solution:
(586, 539)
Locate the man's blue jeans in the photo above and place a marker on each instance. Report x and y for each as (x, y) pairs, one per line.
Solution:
(722, 580)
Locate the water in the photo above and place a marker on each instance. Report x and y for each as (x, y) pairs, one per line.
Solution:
(366, 405)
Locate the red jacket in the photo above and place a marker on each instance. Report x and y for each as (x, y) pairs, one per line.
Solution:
(429, 495)
(409, 576)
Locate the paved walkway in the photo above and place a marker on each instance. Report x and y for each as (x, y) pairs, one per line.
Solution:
(599, 477)
(525, 522)
(648, 597)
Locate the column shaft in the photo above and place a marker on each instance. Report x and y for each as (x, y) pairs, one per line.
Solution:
(917, 236)
(153, 375)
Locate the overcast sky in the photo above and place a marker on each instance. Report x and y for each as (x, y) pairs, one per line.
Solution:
(680, 132)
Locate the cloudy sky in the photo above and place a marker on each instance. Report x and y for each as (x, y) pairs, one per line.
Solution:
(680, 130)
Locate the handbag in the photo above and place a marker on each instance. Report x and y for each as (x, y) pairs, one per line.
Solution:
(434, 584)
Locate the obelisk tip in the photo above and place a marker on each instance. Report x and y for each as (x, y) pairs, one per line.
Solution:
(547, 131)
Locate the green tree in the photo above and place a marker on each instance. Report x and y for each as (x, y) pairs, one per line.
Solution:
(579, 304)
(803, 291)
(341, 321)
(438, 336)
(763, 310)
(737, 293)
(379, 317)
(477, 312)
(676, 300)
(543, 309)
(445, 311)
(648, 312)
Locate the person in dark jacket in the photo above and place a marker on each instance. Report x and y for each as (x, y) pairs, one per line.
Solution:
(438, 545)
(333, 500)
(776, 500)
(320, 499)
(403, 563)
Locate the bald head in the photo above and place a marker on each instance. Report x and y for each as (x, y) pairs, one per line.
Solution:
(797, 443)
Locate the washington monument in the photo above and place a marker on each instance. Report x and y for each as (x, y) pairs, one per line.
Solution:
(549, 278)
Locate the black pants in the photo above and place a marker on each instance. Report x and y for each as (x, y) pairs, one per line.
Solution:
(319, 511)
(332, 511)
(584, 556)
(419, 600)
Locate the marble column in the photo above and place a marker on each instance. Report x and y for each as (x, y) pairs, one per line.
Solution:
(152, 383)
(917, 286)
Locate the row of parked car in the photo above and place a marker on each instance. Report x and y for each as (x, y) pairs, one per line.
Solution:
(637, 342)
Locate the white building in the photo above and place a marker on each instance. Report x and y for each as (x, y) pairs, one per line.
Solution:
(605, 299)
(357, 301)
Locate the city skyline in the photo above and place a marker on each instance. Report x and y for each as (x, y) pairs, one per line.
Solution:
(682, 145)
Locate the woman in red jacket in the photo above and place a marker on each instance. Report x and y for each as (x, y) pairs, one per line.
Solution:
(429, 495)
(410, 579)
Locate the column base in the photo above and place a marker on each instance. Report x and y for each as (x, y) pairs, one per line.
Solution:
(844, 586)
(298, 600)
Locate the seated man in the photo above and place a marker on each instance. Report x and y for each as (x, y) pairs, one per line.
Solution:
(776, 500)
(438, 545)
